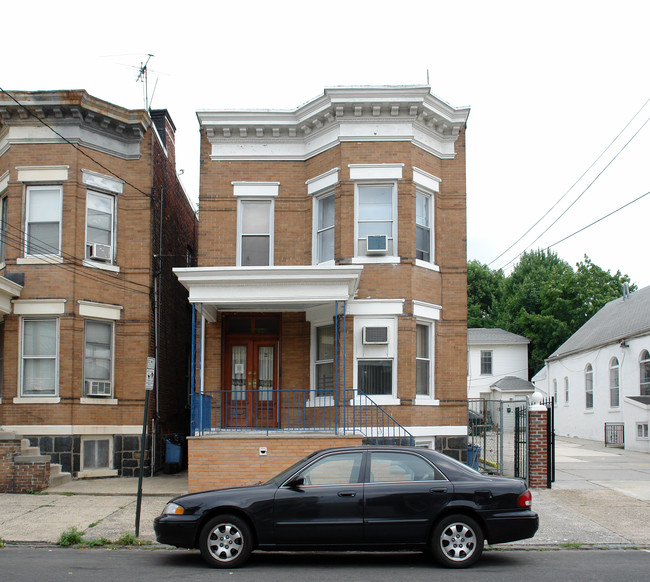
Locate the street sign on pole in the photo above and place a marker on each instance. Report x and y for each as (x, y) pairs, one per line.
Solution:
(151, 372)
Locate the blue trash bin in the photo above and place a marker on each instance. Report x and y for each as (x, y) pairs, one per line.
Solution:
(173, 457)
(473, 456)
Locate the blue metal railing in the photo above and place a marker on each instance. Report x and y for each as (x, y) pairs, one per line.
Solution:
(295, 410)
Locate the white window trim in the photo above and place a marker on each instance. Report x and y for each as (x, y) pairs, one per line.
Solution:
(94, 310)
(430, 399)
(38, 398)
(113, 201)
(432, 265)
(316, 401)
(4, 206)
(315, 250)
(647, 430)
(392, 258)
(83, 374)
(609, 392)
(258, 198)
(44, 256)
(101, 472)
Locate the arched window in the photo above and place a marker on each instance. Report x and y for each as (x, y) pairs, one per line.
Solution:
(589, 387)
(644, 373)
(614, 381)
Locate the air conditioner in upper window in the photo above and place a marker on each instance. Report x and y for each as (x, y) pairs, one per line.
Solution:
(100, 252)
(376, 244)
(375, 335)
(98, 388)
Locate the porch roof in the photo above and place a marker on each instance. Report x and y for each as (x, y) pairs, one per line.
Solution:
(293, 288)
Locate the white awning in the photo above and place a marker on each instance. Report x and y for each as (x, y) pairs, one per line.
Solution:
(295, 288)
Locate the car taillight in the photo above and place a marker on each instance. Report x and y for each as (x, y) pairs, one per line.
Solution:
(525, 499)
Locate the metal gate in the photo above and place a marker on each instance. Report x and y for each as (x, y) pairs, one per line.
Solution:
(498, 436)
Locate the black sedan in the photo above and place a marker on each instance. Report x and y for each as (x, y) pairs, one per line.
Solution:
(355, 498)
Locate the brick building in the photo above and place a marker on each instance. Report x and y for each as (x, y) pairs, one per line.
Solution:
(93, 220)
(331, 275)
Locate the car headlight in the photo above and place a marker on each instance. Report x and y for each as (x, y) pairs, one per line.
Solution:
(173, 509)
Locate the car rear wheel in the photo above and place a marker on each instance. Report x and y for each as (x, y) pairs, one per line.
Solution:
(457, 542)
(226, 541)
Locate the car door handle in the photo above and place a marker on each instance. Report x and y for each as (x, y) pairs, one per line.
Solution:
(347, 493)
(438, 490)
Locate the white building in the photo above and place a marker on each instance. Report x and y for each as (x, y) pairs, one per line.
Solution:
(601, 374)
(497, 365)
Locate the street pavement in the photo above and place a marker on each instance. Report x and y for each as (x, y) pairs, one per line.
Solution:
(600, 498)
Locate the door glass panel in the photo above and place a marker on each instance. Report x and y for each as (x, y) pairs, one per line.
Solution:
(266, 325)
(265, 364)
(239, 325)
(238, 380)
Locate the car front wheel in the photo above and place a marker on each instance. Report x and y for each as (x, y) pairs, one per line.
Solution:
(226, 541)
(457, 542)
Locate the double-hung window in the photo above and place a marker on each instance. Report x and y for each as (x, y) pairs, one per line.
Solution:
(43, 221)
(376, 210)
(3, 230)
(566, 389)
(644, 374)
(255, 233)
(614, 383)
(589, 387)
(39, 356)
(100, 226)
(376, 377)
(324, 372)
(423, 222)
(423, 359)
(324, 206)
(98, 358)
(486, 362)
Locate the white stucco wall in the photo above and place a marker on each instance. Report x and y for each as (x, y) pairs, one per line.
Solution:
(572, 418)
(507, 360)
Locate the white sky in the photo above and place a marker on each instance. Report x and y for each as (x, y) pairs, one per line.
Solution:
(550, 85)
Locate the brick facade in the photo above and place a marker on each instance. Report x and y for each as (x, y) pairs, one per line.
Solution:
(119, 154)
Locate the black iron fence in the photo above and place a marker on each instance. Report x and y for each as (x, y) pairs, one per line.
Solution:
(615, 434)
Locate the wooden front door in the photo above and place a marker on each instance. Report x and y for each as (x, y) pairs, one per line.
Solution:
(251, 393)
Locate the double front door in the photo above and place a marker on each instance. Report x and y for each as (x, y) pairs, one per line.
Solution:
(250, 398)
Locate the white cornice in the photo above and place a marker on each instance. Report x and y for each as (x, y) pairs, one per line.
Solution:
(409, 113)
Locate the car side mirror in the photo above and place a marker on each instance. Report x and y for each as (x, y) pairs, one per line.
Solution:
(296, 482)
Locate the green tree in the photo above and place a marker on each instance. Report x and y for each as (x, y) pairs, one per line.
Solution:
(483, 294)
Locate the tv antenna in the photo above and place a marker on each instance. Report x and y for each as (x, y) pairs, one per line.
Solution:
(143, 76)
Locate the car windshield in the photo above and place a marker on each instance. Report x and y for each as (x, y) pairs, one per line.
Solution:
(286, 472)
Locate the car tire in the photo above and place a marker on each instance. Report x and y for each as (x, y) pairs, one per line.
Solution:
(226, 541)
(457, 542)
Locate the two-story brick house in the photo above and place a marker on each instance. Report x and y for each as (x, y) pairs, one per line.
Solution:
(93, 220)
(331, 270)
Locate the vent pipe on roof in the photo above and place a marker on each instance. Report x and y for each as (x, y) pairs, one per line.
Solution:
(626, 291)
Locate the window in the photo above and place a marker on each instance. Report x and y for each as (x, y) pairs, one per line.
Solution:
(324, 361)
(392, 467)
(375, 217)
(98, 358)
(339, 469)
(566, 389)
(589, 387)
(39, 357)
(255, 233)
(3, 230)
(644, 372)
(614, 383)
(99, 226)
(95, 454)
(486, 362)
(43, 228)
(375, 377)
(423, 222)
(324, 228)
(554, 391)
(642, 430)
(423, 360)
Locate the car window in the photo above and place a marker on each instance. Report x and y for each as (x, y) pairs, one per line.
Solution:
(390, 467)
(338, 469)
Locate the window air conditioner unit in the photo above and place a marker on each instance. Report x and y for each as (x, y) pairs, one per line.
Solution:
(100, 252)
(376, 244)
(375, 335)
(98, 388)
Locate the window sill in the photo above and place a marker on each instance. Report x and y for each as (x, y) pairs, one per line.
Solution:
(319, 401)
(426, 265)
(589, 411)
(97, 473)
(383, 260)
(98, 400)
(44, 260)
(102, 266)
(424, 401)
(37, 400)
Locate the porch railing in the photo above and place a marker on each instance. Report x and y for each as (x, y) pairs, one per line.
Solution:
(295, 410)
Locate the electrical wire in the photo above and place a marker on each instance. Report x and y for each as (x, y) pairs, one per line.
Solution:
(572, 187)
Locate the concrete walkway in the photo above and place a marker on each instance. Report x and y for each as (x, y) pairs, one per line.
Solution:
(601, 497)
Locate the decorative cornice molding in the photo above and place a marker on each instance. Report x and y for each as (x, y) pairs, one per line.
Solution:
(409, 113)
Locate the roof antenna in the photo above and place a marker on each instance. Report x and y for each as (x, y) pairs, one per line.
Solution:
(428, 84)
(142, 75)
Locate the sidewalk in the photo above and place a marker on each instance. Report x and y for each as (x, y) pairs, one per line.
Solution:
(601, 497)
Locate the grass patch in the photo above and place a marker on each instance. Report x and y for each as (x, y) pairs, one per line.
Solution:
(2, 543)
(33, 492)
(574, 545)
(129, 539)
(71, 537)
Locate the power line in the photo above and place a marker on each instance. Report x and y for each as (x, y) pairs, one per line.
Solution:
(571, 188)
(583, 192)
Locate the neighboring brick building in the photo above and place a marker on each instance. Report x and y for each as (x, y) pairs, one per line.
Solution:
(332, 258)
(93, 220)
